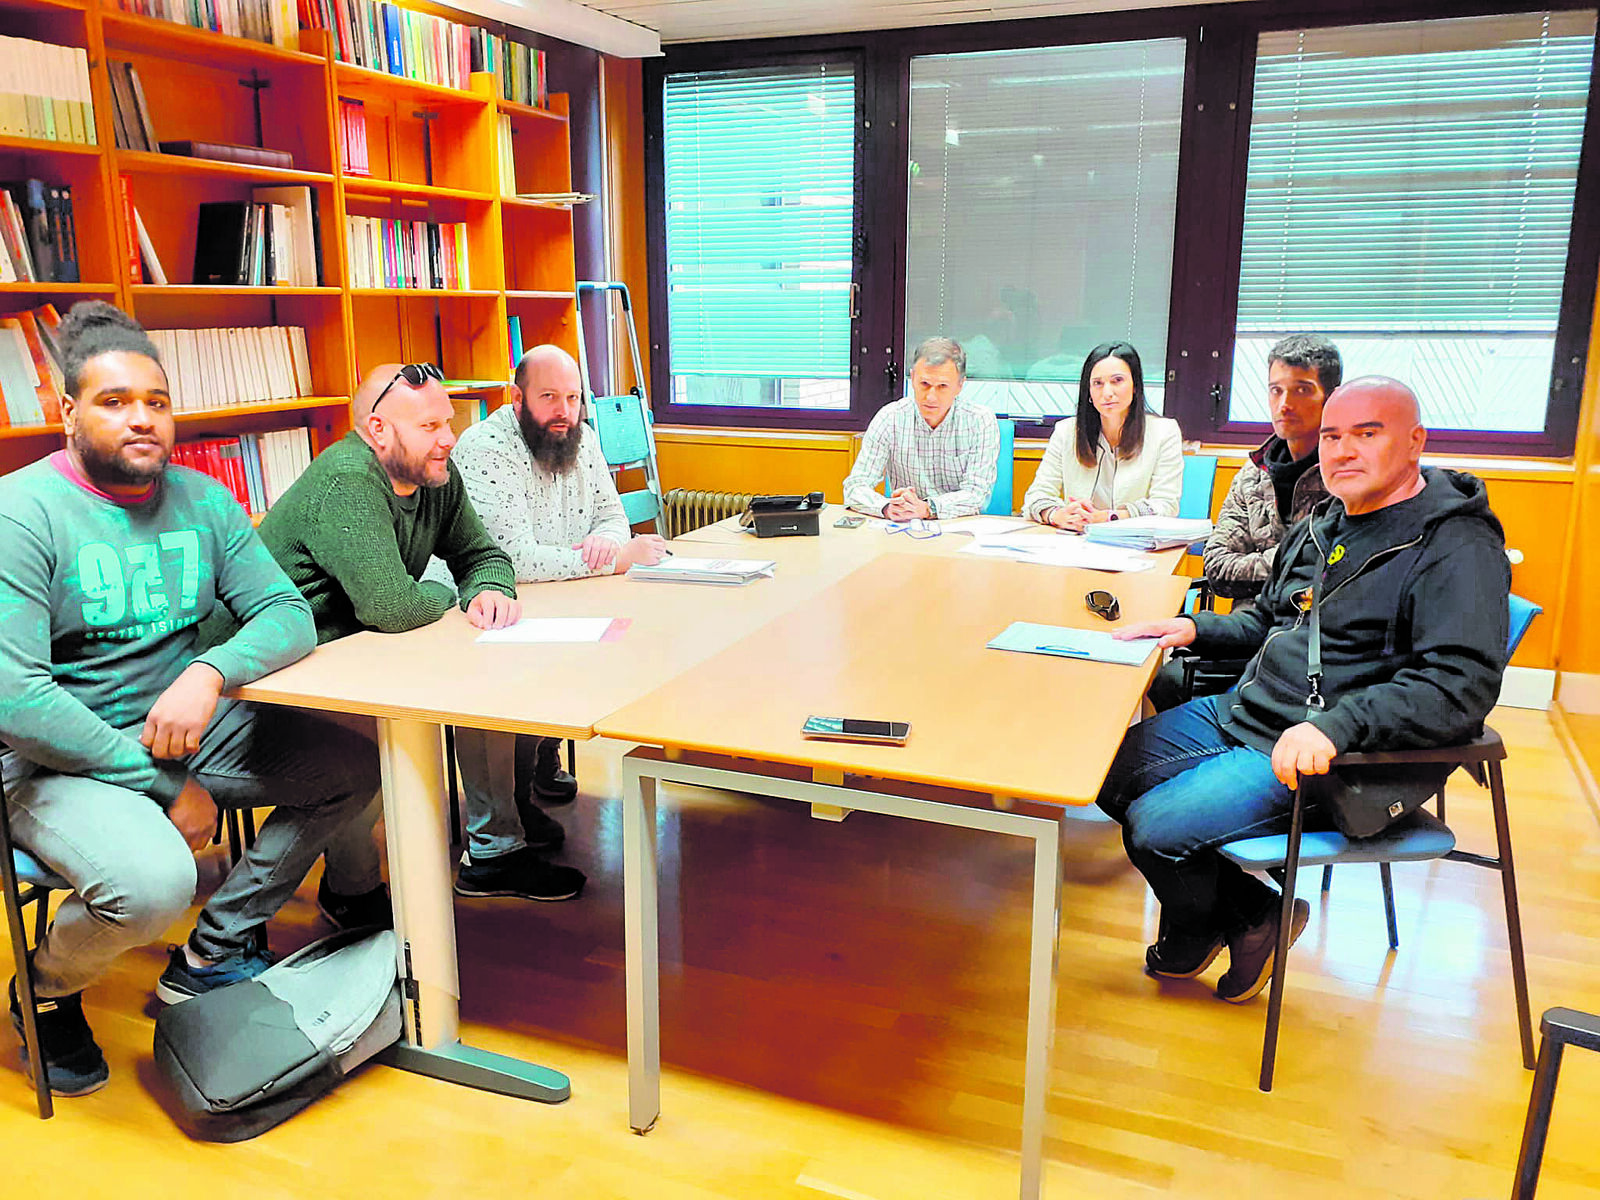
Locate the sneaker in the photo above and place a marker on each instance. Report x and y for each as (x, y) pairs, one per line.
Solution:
(180, 981)
(539, 829)
(72, 1061)
(1251, 952)
(522, 873)
(369, 910)
(1181, 955)
(551, 783)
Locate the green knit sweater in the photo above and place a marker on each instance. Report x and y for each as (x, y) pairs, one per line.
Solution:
(357, 551)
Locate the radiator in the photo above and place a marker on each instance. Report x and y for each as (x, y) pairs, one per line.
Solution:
(685, 510)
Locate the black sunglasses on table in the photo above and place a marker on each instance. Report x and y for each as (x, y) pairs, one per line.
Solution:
(1104, 604)
(415, 374)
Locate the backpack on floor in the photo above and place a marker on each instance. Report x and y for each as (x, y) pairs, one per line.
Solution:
(248, 1056)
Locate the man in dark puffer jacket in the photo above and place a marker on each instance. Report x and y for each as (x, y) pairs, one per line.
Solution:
(1412, 576)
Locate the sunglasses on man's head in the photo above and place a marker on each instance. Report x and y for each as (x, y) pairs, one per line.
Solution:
(1104, 604)
(415, 374)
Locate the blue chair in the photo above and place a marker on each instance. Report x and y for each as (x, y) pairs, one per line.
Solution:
(1199, 477)
(1005, 471)
(27, 881)
(1418, 838)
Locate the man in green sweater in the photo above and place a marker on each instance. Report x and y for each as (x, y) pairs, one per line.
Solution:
(117, 743)
(355, 533)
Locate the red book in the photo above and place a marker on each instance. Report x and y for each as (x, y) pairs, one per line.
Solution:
(49, 397)
(233, 470)
(133, 230)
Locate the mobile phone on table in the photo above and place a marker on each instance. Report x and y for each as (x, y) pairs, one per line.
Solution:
(850, 521)
(851, 729)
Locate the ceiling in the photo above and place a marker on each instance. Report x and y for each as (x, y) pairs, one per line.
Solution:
(720, 20)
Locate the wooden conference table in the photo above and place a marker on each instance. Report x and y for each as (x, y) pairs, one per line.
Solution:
(714, 684)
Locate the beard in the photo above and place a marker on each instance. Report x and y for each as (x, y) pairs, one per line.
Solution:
(554, 452)
(113, 466)
(405, 467)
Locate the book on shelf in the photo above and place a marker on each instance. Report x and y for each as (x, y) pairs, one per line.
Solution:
(519, 69)
(256, 244)
(514, 330)
(255, 156)
(272, 21)
(30, 371)
(38, 240)
(45, 92)
(296, 233)
(394, 40)
(147, 251)
(353, 137)
(218, 368)
(130, 114)
(565, 199)
(256, 467)
(386, 252)
(508, 163)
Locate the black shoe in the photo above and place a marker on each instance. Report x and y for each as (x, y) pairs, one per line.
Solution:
(540, 830)
(1181, 955)
(551, 783)
(369, 910)
(72, 1061)
(1251, 953)
(522, 873)
(180, 981)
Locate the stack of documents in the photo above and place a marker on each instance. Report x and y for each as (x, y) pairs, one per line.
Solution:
(705, 570)
(1149, 533)
(1060, 551)
(1065, 642)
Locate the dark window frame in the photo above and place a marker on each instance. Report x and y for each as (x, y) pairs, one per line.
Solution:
(1213, 154)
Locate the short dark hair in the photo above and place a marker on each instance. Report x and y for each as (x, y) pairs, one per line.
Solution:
(936, 351)
(1310, 352)
(93, 328)
(1088, 418)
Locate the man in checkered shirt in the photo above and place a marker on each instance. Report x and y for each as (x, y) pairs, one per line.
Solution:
(939, 451)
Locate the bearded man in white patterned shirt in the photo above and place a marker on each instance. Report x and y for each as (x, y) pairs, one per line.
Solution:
(537, 479)
(938, 451)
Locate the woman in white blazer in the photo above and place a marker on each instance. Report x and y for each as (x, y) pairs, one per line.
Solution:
(1114, 458)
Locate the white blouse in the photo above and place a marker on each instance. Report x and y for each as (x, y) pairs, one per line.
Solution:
(1146, 485)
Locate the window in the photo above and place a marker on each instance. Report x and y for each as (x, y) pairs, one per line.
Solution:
(759, 199)
(1410, 193)
(1043, 188)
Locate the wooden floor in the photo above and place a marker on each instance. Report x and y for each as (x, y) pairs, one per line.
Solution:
(843, 1017)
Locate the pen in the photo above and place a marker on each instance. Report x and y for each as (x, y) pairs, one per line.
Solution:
(667, 552)
(1070, 650)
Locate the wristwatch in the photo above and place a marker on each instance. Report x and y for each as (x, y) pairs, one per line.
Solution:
(1114, 516)
(933, 511)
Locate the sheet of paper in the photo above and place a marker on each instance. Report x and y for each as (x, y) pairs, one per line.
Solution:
(1060, 552)
(986, 526)
(532, 630)
(1065, 642)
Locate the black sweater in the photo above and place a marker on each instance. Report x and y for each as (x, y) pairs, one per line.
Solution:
(1414, 623)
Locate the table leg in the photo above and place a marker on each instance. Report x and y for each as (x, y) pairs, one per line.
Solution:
(641, 900)
(424, 924)
(1041, 1001)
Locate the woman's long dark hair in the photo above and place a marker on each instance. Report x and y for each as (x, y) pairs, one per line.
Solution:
(1088, 422)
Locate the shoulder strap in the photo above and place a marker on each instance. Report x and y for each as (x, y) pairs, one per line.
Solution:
(1314, 701)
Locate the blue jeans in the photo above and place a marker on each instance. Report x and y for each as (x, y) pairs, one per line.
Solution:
(130, 871)
(1181, 786)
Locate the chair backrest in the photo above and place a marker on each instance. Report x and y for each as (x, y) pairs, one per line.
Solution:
(1004, 477)
(623, 426)
(1522, 614)
(1199, 476)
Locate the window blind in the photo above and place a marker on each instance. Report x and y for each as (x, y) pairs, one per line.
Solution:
(760, 219)
(1415, 176)
(1042, 204)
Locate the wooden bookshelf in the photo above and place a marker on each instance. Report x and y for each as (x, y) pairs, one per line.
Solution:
(433, 155)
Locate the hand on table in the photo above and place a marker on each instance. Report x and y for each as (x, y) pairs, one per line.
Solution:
(599, 553)
(906, 505)
(182, 712)
(1173, 631)
(646, 550)
(1071, 514)
(493, 610)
